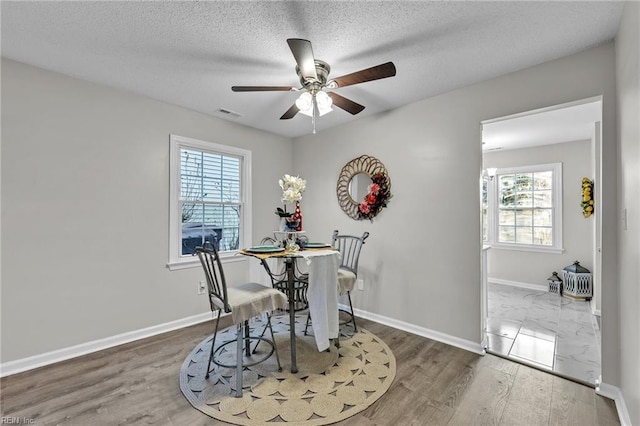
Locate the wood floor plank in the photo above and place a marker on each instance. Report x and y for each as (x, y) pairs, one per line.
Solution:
(436, 384)
(529, 400)
(485, 398)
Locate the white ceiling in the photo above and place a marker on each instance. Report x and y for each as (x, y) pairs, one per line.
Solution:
(191, 53)
(558, 124)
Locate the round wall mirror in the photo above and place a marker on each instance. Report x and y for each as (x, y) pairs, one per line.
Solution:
(359, 186)
(363, 188)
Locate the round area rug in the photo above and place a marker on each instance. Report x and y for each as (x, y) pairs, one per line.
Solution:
(329, 386)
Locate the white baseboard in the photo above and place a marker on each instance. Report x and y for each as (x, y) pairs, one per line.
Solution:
(614, 393)
(528, 286)
(467, 345)
(40, 360)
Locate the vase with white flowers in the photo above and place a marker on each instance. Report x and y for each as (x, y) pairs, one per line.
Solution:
(292, 189)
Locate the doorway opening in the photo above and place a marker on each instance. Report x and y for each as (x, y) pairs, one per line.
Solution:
(534, 224)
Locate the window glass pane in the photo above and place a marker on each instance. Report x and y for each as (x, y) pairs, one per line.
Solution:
(507, 190)
(212, 165)
(190, 175)
(195, 234)
(542, 217)
(485, 212)
(215, 223)
(524, 218)
(543, 198)
(485, 225)
(190, 161)
(231, 227)
(230, 191)
(543, 236)
(507, 234)
(226, 221)
(524, 235)
(211, 190)
(507, 217)
(191, 213)
(542, 180)
(524, 182)
(524, 199)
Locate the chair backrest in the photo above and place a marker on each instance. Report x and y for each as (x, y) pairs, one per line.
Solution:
(349, 247)
(214, 274)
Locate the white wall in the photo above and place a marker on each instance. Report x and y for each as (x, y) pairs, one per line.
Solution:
(628, 86)
(85, 196)
(533, 267)
(421, 263)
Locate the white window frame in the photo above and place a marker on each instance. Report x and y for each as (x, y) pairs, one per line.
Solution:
(176, 142)
(492, 220)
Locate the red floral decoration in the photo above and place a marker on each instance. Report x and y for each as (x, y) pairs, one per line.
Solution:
(377, 198)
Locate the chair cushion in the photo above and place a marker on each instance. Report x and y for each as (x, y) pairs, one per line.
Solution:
(250, 300)
(346, 280)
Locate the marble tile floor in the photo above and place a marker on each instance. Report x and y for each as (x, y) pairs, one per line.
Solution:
(544, 329)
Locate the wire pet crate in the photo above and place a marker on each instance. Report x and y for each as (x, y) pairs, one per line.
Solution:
(577, 282)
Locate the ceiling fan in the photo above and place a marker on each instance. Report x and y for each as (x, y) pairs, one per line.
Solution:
(313, 74)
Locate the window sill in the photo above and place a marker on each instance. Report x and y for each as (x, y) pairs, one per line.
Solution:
(194, 262)
(534, 249)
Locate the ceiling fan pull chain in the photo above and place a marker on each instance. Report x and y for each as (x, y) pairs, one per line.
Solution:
(314, 108)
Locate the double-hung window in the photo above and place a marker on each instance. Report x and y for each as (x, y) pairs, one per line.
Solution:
(210, 193)
(525, 208)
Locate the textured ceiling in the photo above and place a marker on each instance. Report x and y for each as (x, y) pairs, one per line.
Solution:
(191, 53)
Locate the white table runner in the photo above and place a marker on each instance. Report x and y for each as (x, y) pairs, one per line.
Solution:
(323, 294)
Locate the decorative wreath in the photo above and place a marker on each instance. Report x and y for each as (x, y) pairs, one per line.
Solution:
(377, 198)
(587, 197)
(373, 168)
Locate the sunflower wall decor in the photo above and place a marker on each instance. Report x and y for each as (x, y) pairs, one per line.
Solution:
(587, 197)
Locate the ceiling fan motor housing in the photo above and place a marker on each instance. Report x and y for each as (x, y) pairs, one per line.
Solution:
(322, 70)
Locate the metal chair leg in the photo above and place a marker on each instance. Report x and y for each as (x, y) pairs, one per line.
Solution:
(213, 344)
(353, 317)
(264, 330)
(307, 324)
(273, 339)
(239, 367)
(247, 341)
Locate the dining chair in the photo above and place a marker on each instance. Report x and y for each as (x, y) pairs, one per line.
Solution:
(349, 247)
(279, 281)
(244, 302)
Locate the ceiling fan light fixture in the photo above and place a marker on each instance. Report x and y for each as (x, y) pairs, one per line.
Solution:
(305, 103)
(324, 102)
(323, 111)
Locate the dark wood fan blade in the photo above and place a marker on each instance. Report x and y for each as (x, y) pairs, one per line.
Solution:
(369, 74)
(291, 112)
(261, 88)
(303, 53)
(346, 104)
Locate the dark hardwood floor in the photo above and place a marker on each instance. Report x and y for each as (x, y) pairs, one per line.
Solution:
(436, 384)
